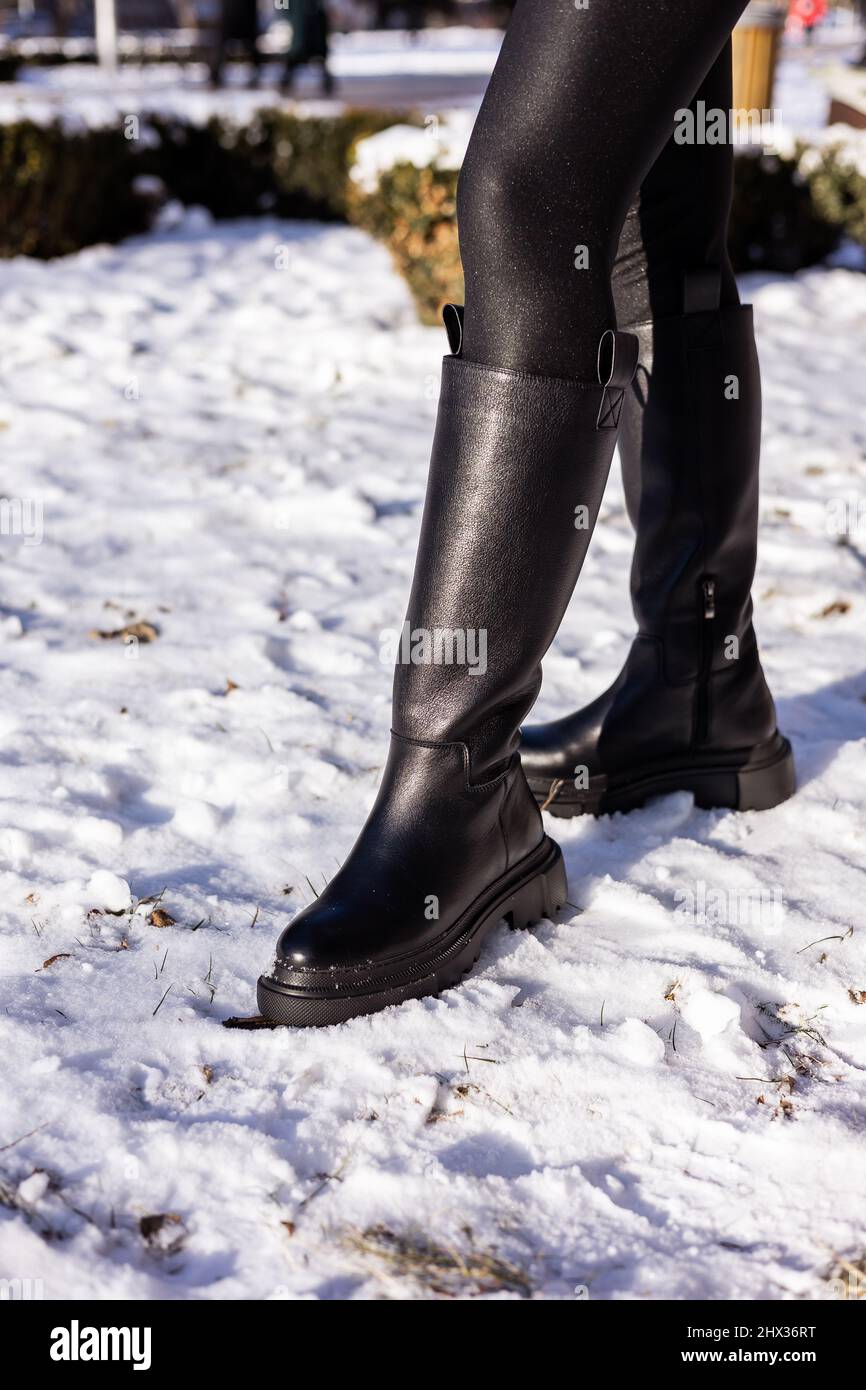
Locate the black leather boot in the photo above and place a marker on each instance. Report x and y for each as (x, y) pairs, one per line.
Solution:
(454, 842)
(691, 709)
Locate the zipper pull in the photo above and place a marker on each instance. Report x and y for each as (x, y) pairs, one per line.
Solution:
(709, 588)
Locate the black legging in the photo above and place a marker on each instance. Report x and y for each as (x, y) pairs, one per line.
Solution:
(573, 147)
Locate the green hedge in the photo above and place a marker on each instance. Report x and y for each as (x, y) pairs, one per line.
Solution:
(777, 222)
(414, 212)
(281, 163)
(782, 219)
(839, 192)
(61, 190)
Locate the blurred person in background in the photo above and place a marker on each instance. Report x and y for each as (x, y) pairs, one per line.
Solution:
(62, 16)
(238, 28)
(394, 13)
(860, 8)
(807, 15)
(310, 27)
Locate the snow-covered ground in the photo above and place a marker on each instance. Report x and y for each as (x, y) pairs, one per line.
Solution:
(223, 434)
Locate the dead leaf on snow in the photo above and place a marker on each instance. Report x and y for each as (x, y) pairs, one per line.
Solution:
(61, 955)
(164, 1232)
(839, 605)
(138, 632)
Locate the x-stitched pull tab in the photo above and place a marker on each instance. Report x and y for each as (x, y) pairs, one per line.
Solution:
(617, 363)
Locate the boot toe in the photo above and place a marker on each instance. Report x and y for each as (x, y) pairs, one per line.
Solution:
(333, 936)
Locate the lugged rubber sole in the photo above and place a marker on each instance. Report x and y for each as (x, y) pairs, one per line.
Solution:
(532, 891)
(757, 782)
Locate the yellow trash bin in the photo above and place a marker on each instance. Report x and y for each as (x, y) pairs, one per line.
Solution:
(756, 50)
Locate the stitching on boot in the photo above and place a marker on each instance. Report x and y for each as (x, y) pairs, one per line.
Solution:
(610, 409)
(467, 766)
(515, 374)
(506, 792)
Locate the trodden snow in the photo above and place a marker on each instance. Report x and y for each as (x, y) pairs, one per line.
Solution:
(658, 1095)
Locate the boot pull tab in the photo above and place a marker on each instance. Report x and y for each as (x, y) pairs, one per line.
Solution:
(617, 363)
(452, 317)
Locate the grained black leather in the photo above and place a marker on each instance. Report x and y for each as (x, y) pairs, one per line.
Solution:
(689, 451)
(513, 456)
(499, 550)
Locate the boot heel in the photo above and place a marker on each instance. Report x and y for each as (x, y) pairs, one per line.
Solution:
(761, 788)
(542, 897)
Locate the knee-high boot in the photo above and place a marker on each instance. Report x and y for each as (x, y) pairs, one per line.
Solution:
(454, 843)
(690, 709)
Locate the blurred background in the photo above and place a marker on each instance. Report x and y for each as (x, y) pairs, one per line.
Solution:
(111, 109)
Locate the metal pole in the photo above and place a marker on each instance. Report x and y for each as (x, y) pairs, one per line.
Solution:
(106, 34)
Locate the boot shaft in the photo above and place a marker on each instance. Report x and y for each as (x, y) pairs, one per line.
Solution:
(690, 448)
(518, 470)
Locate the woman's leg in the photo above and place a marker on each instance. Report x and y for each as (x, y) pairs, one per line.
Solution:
(690, 710)
(580, 105)
(678, 223)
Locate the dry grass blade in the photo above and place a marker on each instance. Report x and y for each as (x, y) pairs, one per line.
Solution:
(789, 1028)
(822, 939)
(555, 788)
(440, 1268)
(161, 1002)
(849, 1275)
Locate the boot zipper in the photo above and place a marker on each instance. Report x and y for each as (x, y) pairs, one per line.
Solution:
(708, 618)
